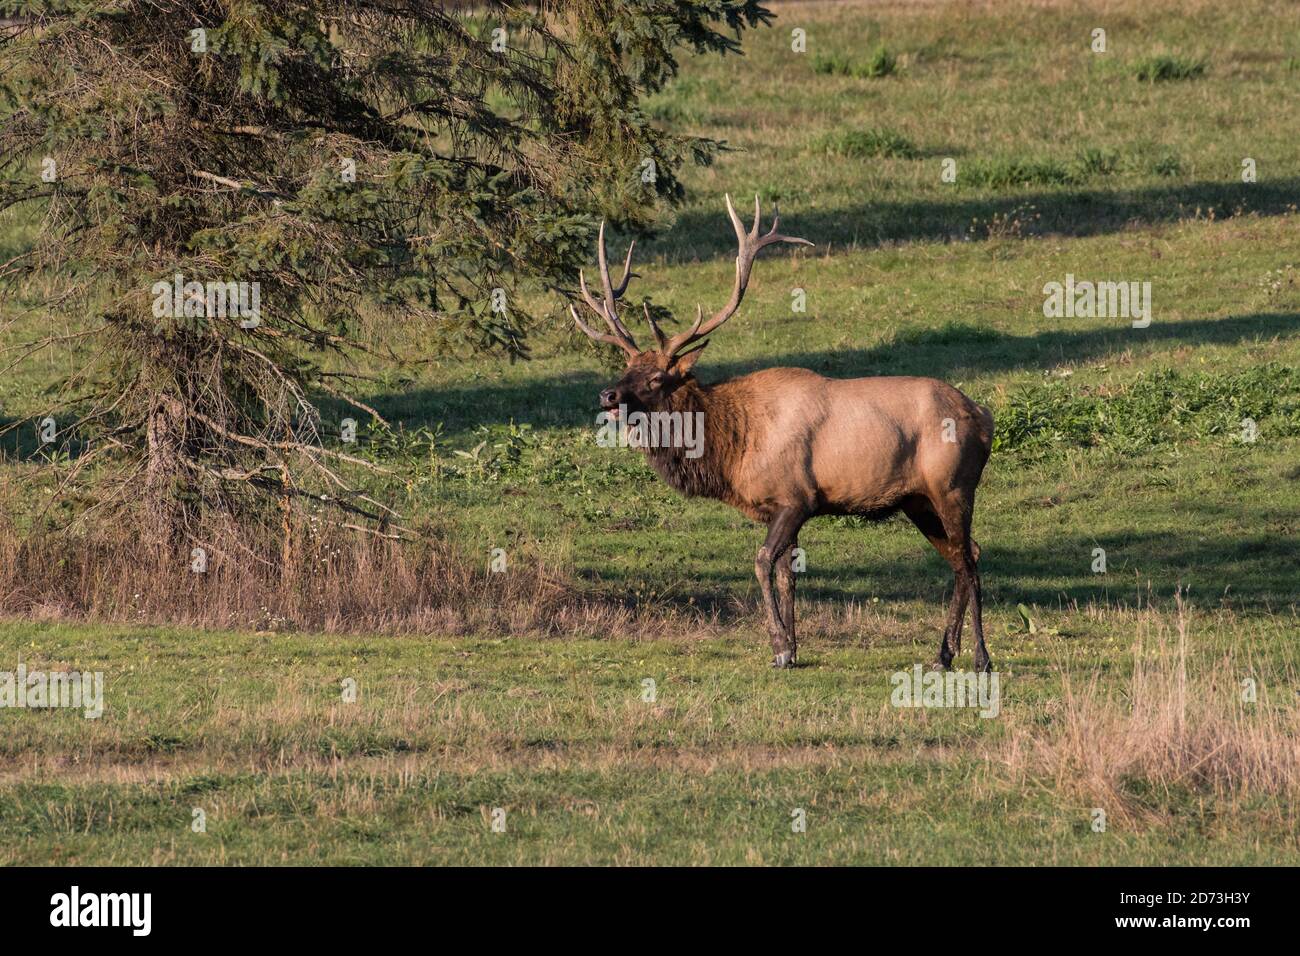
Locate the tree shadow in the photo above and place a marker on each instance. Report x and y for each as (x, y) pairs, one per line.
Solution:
(702, 233)
(939, 352)
(569, 400)
(20, 441)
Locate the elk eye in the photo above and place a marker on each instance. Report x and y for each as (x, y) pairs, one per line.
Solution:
(656, 380)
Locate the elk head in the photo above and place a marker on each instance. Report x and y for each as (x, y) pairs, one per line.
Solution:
(653, 375)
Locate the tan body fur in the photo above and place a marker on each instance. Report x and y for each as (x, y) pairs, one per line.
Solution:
(843, 446)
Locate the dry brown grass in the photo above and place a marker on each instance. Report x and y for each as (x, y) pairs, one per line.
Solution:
(336, 580)
(333, 580)
(1171, 735)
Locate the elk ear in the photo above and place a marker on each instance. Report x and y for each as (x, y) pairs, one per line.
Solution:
(684, 363)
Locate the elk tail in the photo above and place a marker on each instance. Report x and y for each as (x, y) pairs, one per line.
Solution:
(986, 427)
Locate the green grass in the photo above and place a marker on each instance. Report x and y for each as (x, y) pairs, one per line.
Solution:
(1110, 437)
(1005, 172)
(858, 144)
(1158, 69)
(880, 62)
(251, 729)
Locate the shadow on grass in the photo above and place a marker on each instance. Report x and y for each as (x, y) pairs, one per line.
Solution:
(570, 400)
(1072, 212)
(1254, 572)
(20, 440)
(565, 401)
(940, 352)
(703, 232)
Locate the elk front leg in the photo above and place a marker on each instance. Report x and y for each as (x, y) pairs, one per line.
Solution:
(774, 553)
(785, 593)
(950, 645)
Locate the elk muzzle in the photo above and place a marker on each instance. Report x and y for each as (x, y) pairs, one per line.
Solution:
(610, 399)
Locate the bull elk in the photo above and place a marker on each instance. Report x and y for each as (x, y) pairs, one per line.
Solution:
(784, 445)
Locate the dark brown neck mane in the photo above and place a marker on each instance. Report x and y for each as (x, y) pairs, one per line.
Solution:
(724, 421)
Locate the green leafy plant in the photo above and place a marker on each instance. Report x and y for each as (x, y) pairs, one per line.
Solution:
(862, 143)
(880, 63)
(1027, 625)
(1164, 67)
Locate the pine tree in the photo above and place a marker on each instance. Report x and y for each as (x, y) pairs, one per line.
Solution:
(224, 188)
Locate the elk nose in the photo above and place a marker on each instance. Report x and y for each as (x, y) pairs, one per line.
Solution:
(609, 398)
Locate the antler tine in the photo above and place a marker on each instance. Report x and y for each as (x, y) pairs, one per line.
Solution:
(772, 235)
(618, 340)
(683, 339)
(741, 234)
(628, 274)
(612, 294)
(750, 243)
(654, 326)
(776, 219)
(597, 306)
(608, 308)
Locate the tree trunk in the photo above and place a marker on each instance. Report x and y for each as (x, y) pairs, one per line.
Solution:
(164, 512)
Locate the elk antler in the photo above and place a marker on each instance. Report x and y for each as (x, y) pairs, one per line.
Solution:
(751, 243)
(607, 308)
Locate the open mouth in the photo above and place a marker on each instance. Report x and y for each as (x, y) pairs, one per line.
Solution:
(610, 410)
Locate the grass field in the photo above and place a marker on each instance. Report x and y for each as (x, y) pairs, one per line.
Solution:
(1122, 166)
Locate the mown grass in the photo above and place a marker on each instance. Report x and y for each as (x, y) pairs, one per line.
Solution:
(251, 729)
(1129, 440)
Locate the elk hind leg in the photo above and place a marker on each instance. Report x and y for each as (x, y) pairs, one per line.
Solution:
(970, 555)
(928, 522)
(957, 523)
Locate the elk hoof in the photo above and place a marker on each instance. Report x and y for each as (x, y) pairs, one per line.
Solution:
(940, 666)
(783, 660)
